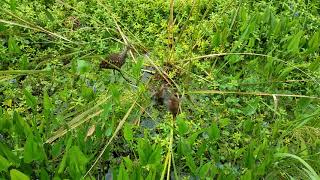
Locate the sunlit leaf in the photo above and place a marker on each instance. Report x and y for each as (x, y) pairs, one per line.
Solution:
(83, 66)
(4, 164)
(127, 132)
(314, 42)
(293, 45)
(182, 126)
(21, 126)
(17, 175)
(191, 164)
(13, 45)
(77, 162)
(128, 163)
(8, 154)
(47, 106)
(123, 175)
(204, 170)
(33, 151)
(31, 100)
(214, 131)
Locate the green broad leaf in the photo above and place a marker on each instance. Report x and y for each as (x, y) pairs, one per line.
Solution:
(286, 71)
(248, 126)
(123, 174)
(47, 106)
(56, 178)
(82, 66)
(184, 147)
(232, 59)
(144, 150)
(252, 107)
(151, 176)
(13, 45)
(8, 154)
(191, 164)
(315, 65)
(277, 28)
(57, 148)
(182, 126)
(266, 15)
(13, 5)
(4, 164)
(214, 131)
(49, 15)
(44, 174)
(247, 175)
(249, 157)
(128, 163)
(127, 132)
(204, 169)
(137, 68)
(109, 131)
(250, 28)
(5, 120)
(216, 39)
(77, 162)
(21, 126)
(24, 62)
(303, 147)
(314, 42)
(155, 155)
(63, 162)
(293, 45)
(115, 92)
(17, 175)
(107, 108)
(33, 150)
(224, 122)
(87, 92)
(31, 100)
(193, 137)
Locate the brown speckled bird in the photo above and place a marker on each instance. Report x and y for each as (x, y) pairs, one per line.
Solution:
(159, 95)
(173, 105)
(115, 60)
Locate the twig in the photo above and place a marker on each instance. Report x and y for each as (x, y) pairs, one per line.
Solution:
(251, 93)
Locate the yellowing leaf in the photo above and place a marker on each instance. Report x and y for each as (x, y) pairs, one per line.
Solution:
(8, 102)
(90, 131)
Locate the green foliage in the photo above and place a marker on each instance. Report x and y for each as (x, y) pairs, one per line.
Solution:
(33, 150)
(17, 175)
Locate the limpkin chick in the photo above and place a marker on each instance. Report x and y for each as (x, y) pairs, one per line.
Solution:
(173, 105)
(115, 60)
(159, 95)
(172, 102)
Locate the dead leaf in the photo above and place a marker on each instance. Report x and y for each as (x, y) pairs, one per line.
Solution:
(90, 131)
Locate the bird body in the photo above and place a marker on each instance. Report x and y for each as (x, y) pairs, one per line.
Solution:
(173, 105)
(170, 99)
(115, 60)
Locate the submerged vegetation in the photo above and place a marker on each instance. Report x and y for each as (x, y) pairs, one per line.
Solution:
(210, 89)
